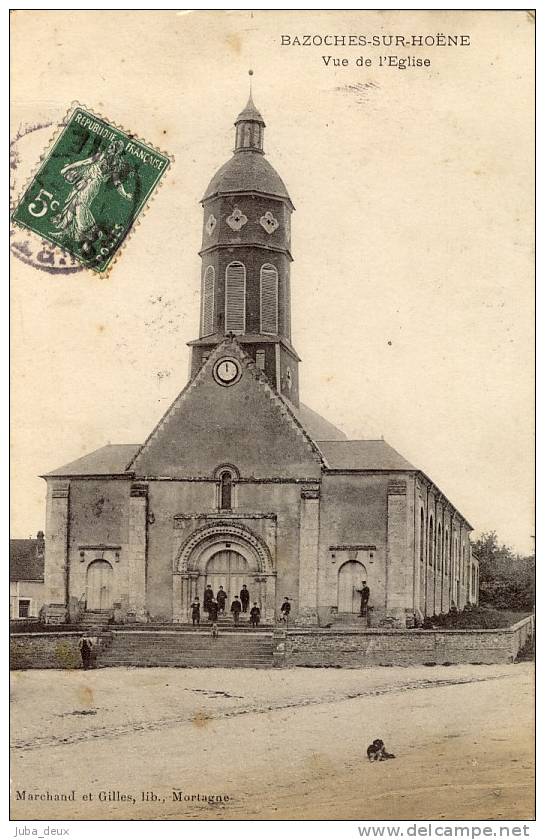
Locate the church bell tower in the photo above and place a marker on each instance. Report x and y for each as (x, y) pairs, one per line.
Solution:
(246, 257)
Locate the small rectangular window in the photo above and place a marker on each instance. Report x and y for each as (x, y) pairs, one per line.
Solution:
(260, 359)
(24, 608)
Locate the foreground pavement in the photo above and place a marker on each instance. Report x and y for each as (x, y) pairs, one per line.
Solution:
(245, 744)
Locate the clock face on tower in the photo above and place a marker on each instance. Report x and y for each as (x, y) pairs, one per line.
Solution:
(227, 371)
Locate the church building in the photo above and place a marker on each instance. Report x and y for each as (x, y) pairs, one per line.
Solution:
(239, 482)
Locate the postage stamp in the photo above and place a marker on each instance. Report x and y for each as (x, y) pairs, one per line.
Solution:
(90, 190)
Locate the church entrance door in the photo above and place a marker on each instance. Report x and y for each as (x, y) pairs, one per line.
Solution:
(351, 575)
(228, 569)
(99, 586)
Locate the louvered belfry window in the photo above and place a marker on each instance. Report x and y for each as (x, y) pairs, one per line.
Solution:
(207, 318)
(269, 299)
(235, 298)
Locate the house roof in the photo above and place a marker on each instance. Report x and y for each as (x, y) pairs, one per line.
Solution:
(317, 426)
(111, 459)
(114, 458)
(24, 561)
(362, 455)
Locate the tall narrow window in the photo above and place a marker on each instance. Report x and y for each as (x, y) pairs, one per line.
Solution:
(431, 543)
(446, 553)
(287, 307)
(422, 533)
(269, 299)
(438, 555)
(235, 298)
(207, 316)
(226, 490)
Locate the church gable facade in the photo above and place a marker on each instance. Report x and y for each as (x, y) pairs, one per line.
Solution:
(237, 484)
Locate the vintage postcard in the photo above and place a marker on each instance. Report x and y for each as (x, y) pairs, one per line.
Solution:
(272, 514)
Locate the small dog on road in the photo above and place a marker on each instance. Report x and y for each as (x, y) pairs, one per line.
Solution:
(377, 751)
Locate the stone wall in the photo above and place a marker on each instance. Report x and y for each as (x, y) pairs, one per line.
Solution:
(305, 648)
(360, 648)
(44, 650)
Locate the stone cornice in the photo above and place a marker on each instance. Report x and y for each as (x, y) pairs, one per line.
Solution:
(222, 516)
(353, 547)
(285, 199)
(249, 244)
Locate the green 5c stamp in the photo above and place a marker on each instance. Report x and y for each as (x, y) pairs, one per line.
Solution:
(90, 189)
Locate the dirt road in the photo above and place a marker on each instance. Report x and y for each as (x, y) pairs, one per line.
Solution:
(159, 743)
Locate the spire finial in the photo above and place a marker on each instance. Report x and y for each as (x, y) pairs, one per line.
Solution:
(250, 74)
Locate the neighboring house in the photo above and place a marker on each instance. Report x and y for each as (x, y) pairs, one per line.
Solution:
(26, 577)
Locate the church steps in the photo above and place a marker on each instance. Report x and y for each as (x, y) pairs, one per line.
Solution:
(198, 650)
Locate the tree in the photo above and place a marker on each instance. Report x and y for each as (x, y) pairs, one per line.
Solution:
(507, 580)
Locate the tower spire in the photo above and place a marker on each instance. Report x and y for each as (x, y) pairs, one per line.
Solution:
(249, 125)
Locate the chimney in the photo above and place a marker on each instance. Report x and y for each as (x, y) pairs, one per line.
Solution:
(40, 548)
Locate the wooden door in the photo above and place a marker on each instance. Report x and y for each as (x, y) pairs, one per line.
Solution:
(99, 586)
(230, 570)
(351, 575)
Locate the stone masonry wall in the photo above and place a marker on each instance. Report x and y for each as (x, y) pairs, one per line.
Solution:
(356, 649)
(317, 648)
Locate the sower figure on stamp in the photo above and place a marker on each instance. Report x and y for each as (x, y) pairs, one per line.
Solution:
(236, 608)
(221, 598)
(76, 221)
(364, 593)
(244, 598)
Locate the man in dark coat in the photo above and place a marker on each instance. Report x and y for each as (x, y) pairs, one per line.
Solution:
(255, 615)
(196, 612)
(221, 598)
(208, 597)
(213, 610)
(236, 607)
(85, 648)
(364, 592)
(244, 598)
(285, 609)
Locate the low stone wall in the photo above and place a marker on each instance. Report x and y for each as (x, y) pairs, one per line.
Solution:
(44, 650)
(311, 647)
(357, 648)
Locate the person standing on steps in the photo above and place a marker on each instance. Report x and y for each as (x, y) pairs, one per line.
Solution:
(221, 598)
(208, 598)
(244, 598)
(364, 593)
(196, 612)
(236, 608)
(255, 615)
(213, 611)
(285, 609)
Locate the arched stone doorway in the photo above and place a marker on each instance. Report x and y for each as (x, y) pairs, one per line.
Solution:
(99, 590)
(226, 555)
(350, 577)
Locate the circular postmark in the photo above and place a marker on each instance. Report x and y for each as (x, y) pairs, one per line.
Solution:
(26, 148)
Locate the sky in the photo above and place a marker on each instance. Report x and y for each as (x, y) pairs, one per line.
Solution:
(412, 285)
